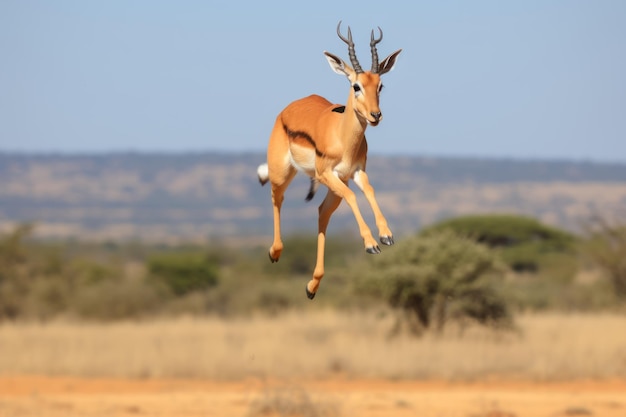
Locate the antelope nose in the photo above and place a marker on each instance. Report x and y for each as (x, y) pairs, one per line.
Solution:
(376, 115)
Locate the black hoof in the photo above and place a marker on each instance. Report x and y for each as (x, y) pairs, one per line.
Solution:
(373, 250)
(310, 295)
(272, 259)
(387, 240)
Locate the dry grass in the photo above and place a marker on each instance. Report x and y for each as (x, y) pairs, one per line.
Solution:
(290, 401)
(317, 344)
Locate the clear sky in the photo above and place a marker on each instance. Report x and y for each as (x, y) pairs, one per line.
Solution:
(513, 79)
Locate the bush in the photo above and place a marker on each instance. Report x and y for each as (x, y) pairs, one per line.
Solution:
(183, 272)
(440, 277)
(99, 281)
(115, 299)
(40, 281)
(523, 241)
(299, 255)
(605, 246)
(15, 274)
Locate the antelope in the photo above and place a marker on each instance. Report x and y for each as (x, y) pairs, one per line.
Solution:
(327, 142)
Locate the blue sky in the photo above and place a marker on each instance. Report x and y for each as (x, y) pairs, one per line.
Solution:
(512, 79)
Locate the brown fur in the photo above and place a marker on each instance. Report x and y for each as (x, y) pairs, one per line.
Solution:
(331, 148)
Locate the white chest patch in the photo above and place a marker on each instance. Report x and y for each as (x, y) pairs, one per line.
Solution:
(358, 179)
(344, 170)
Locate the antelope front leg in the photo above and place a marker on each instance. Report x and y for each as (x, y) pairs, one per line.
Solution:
(326, 209)
(362, 181)
(343, 191)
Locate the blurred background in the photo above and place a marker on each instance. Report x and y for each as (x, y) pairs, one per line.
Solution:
(130, 133)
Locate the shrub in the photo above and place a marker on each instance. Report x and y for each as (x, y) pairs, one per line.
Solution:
(440, 277)
(299, 255)
(605, 246)
(523, 241)
(183, 272)
(290, 402)
(115, 299)
(14, 271)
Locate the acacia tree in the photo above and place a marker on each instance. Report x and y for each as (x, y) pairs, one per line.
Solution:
(523, 242)
(437, 278)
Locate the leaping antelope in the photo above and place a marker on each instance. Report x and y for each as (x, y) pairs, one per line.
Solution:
(327, 142)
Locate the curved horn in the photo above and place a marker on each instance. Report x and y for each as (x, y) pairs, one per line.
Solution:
(373, 43)
(351, 53)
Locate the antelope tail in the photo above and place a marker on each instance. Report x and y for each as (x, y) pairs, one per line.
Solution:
(312, 190)
(263, 173)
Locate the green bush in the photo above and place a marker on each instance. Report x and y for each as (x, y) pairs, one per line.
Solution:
(115, 299)
(300, 252)
(605, 246)
(437, 278)
(15, 277)
(183, 272)
(523, 242)
(38, 280)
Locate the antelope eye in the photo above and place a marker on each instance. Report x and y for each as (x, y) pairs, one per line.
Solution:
(380, 88)
(356, 87)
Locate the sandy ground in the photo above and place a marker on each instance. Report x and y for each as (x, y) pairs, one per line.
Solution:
(22, 396)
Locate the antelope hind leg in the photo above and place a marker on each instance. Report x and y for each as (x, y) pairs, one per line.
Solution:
(326, 209)
(278, 192)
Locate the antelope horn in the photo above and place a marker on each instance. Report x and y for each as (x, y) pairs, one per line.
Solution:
(373, 43)
(351, 53)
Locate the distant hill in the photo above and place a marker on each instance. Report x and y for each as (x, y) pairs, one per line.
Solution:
(165, 197)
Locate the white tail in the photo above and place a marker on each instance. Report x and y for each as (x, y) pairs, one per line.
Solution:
(263, 173)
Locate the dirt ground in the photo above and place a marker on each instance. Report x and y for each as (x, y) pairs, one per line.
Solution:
(26, 396)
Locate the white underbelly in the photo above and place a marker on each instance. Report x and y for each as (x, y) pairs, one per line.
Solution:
(302, 159)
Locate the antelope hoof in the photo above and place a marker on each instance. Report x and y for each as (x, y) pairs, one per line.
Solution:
(272, 259)
(387, 240)
(310, 295)
(373, 250)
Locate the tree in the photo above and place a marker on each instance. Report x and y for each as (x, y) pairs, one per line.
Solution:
(605, 246)
(524, 242)
(440, 277)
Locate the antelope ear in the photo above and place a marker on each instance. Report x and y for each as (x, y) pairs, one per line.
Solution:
(337, 65)
(388, 63)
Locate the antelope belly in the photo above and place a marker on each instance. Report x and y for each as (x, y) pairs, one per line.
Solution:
(303, 159)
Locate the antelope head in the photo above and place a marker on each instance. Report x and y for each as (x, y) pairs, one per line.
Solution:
(366, 85)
